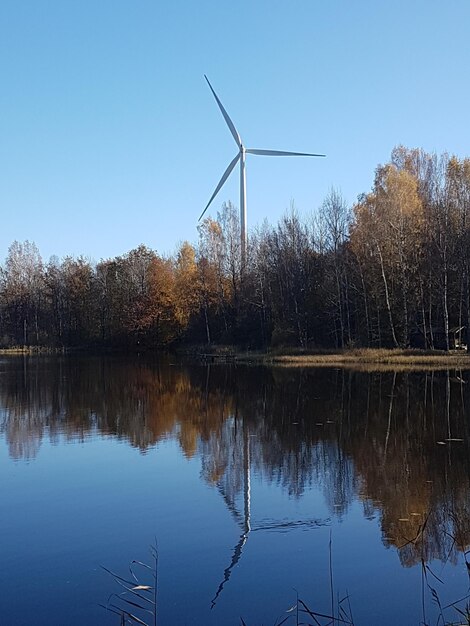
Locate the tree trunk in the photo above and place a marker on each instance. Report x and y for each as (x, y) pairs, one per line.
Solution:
(366, 308)
(208, 334)
(467, 289)
(387, 298)
(423, 313)
(445, 306)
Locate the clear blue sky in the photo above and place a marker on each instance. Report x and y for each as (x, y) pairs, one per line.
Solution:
(110, 137)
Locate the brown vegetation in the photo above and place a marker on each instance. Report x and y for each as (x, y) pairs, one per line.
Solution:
(392, 271)
(369, 359)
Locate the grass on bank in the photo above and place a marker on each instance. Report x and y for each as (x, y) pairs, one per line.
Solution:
(357, 358)
(362, 358)
(31, 350)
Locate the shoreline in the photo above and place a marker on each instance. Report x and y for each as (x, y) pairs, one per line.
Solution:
(358, 358)
(366, 358)
(28, 350)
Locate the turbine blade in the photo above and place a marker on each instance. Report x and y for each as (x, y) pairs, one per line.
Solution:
(226, 174)
(281, 153)
(229, 122)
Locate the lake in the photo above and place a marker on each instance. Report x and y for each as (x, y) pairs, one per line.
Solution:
(254, 483)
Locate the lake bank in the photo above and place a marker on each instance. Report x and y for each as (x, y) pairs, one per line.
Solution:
(32, 350)
(363, 359)
(402, 359)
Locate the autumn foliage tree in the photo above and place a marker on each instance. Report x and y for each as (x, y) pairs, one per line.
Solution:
(392, 270)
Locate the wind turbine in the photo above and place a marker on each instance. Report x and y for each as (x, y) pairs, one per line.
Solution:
(241, 156)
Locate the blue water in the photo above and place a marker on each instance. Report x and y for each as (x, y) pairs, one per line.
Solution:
(101, 458)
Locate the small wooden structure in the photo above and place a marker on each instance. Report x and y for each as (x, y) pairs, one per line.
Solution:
(457, 338)
(437, 338)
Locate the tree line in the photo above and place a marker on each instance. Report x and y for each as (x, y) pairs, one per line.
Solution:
(393, 270)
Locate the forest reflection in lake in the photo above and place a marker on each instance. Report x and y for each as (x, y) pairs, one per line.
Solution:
(241, 473)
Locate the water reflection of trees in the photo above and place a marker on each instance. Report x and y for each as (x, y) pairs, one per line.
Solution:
(69, 398)
(381, 438)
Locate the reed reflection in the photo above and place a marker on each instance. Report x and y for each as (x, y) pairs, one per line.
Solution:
(397, 442)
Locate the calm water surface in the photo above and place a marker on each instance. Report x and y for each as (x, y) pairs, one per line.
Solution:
(242, 475)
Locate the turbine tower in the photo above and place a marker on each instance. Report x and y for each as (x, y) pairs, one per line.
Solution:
(241, 156)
